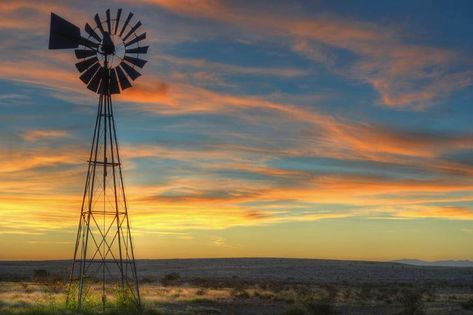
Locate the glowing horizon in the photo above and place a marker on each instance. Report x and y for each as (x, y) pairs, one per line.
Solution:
(301, 130)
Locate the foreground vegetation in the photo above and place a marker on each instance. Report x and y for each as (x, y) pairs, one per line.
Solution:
(171, 295)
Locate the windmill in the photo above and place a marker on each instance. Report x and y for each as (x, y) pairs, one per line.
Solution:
(108, 58)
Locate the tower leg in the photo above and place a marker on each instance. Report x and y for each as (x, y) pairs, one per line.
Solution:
(104, 252)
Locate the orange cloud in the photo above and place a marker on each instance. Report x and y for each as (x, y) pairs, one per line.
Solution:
(447, 212)
(332, 137)
(211, 202)
(33, 135)
(42, 74)
(403, 74)
(15, 160)
(218, 68)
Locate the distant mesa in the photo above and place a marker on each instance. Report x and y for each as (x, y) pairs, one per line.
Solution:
(437, 263)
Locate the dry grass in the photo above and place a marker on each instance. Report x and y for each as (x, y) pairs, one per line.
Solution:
(263, 298)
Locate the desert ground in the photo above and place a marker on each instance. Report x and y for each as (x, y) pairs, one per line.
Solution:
(253, 286)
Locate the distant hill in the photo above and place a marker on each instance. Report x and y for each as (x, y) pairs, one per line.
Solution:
(258, 270)
(438, 263)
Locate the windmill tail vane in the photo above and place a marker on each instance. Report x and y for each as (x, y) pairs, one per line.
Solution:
(108, 61)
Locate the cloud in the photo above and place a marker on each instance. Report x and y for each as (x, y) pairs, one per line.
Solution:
(41, 73)
(34, 135)
(221, 68)
(217, 201)
(24, 15)
(152, 91)
(332, 137)
(404, 74)
(230, 183)
(14, 160)
(446, 212)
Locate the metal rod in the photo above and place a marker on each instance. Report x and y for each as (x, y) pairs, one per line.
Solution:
(126, 215)
(99, 243)
(91, 190)
(115, 193)
(104, 240)
(79, 229)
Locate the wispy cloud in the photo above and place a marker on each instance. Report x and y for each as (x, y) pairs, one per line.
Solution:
(404, 74)
(216, 152)
(33, 135)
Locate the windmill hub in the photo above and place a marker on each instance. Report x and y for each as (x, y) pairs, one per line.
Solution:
(115, 58)
(108, 48)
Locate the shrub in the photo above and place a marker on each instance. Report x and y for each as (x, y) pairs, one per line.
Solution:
(240, 293)
(332, 292)
(201, 292)
(467, 305)
(263, 295)
(125, 304)
(40, 275)
(54, 286)
(288, 296)
(412, 303)
(170, 278)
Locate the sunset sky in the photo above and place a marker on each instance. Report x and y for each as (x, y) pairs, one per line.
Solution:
(312, 129)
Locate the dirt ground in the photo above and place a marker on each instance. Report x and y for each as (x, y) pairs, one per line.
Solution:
(242, 287)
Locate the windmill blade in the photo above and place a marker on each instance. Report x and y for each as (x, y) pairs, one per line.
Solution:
(135, 61)
(109, 27)
(133, 29)
(130, 15)
(136, 39)
(87, 76)
(114, 89)
(84, 53)
(132, 73)
(124, 82)
(92, 33)
(88, 43)
(138, 50)
(94, 83)
(83, 65)
(117, 21)
(99, 24)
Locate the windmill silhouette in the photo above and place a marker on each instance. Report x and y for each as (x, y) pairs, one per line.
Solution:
(108, 60)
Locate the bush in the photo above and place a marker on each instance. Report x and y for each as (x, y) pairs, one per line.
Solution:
(467, 305)
(412, 303)
(40, 275)
(125, 304)
(332, 292)
(170, 278)
(201, 292)
(240, 293)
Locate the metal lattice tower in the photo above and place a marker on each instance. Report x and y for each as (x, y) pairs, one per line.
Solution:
(103, 250)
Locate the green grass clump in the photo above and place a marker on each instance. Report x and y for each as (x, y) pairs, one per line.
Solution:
(120, 304)
(467, 305)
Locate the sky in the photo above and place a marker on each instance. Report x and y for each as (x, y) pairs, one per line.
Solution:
(308, 129)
